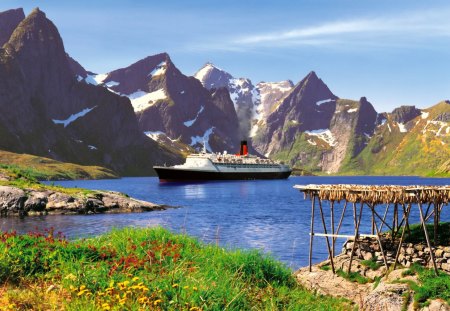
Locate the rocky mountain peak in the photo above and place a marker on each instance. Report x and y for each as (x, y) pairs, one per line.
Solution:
(8, 22)
(213, 77)
(404, 114)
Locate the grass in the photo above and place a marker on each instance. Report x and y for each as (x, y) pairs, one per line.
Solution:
(353, 277)
(429, 287)
(416, 235)
(371, 264)
(134, 269)
(41, 168)
(26, 179)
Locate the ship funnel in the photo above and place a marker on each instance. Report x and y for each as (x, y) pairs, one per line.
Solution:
(244, 148)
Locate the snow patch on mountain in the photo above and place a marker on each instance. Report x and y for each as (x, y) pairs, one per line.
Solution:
(73, 117)
(190, 122)
(160, 69)
(142, 100)
(352, 110)
(402, 127)
(324, 134)
(311, 142)
(111, 84)
(440, 128)
(320, 102)
(203, 139)
(202, 73)
(424, 115)
(96, 79)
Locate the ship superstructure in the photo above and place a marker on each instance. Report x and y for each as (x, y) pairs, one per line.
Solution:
(224, 166)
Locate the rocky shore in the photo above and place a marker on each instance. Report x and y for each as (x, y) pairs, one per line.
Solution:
(379, 291)
(15, 201)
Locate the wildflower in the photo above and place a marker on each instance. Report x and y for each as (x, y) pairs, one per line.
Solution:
(71, 277)
(81, 292)
(175, 285)
(186, 287)
(157, 301)
(195, 288)
(194, 309)
(111, 284)
(135, 279)
(106, 306)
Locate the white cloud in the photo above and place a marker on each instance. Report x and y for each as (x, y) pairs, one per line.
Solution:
(397, 31)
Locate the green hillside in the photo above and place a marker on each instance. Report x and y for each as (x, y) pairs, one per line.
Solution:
(47, 169)
(419, 147)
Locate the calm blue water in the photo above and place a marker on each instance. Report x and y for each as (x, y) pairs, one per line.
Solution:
(266, 215)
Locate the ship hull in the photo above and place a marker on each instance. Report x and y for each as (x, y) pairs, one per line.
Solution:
(168, 174)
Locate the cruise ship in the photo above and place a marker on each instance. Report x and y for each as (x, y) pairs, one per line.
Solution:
(223, 166)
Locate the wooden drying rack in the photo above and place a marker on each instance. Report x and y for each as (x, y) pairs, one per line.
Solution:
(402, 198)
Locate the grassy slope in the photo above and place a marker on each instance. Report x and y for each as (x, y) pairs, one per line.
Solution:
(130, 269)
(391, 152)
(48, 169)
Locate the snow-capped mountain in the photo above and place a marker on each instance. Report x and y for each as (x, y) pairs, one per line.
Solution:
(243, 93)
(45, 111)
(149, 112)
(168, 103)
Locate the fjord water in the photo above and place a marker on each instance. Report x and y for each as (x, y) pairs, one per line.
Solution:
(269, 215)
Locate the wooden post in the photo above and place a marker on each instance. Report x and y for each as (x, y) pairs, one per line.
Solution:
(341, 219)
(422, 219)
(356, 236)
(312, 231)
(328, 241)
(372, 207)
(332, 229)
(384, 217)
(408, 209)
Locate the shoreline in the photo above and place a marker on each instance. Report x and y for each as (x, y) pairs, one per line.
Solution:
(23, 202)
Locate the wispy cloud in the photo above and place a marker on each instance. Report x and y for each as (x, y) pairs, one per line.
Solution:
(402, 30)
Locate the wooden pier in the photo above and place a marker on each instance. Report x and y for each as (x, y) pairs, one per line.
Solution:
(377, 202)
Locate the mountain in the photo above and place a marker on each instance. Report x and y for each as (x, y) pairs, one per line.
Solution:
(167, 102)
(409, 141)
(243, 93)
(8, 22)
(309, 106)
(46, 111)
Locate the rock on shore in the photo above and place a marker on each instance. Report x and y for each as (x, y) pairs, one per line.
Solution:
(22, 202)
(390, 294)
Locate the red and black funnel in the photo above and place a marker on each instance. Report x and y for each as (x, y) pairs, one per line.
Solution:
(244, 149)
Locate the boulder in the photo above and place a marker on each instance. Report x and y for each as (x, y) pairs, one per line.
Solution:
(12, 200)
(36, 202)
(385, 297)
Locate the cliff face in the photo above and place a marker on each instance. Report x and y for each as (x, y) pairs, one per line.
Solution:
(46, 111)
(8, 22)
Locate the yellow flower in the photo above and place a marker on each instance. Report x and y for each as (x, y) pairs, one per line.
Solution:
(194, 309)
(106, 306)
(195, 288)
(157, 301)
(82, 287)
(186, 287)
(111, 284)
(135, 279)
(71, 277)
(175, 285)
(81, 292)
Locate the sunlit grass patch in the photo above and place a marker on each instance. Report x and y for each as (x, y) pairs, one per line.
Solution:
(132, 269)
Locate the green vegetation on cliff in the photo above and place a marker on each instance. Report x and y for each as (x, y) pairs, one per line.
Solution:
(134, 269)
(41, 168)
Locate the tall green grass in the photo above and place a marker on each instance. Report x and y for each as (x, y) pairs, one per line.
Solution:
(129, 269)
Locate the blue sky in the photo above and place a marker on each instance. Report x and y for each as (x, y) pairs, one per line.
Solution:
(393, 52)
